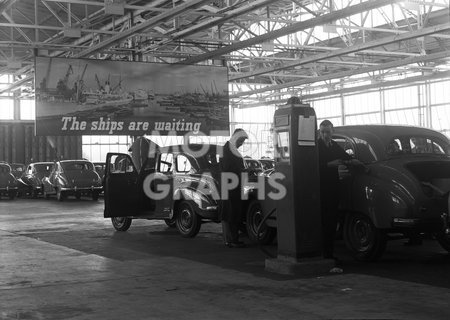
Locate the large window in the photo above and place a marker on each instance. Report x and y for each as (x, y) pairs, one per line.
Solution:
(6, 109)
(27, 110)
(95, 148)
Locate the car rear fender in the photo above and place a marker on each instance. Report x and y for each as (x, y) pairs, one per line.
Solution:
(199, 200)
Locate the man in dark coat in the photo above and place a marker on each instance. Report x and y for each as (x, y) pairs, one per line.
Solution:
(331, 155)
(232, 163)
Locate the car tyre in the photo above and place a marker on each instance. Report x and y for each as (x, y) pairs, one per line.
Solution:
(95, 195)
(121, 223)
(254, 217)
(363, 239)
(12, 195)
(34, 193)
(60, 195)
(444, 239)
(187, 220)
(78, 195)
(171, 223)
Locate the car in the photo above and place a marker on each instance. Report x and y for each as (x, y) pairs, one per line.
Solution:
(8, 183)
(100, 168)
(402, 190)
(253, 165)
(267, 164)
(72, 177)
(179, 170)
(31, 179)
(17, 169)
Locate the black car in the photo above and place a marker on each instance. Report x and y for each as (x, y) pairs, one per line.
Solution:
(175, 170)
(404, 189)
(31, 179)
(8, 183)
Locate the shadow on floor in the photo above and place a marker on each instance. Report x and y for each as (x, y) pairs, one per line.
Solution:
(426, 264)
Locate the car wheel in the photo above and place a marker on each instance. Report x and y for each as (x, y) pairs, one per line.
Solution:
(444, 238)
(60, 195)
(12, 195)
(171, 223)
(187, 221)
(363, 239)
(121, 223)
(254, 217)
(78, 195)
(95, 196)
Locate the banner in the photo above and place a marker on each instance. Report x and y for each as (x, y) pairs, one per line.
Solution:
(98, 97)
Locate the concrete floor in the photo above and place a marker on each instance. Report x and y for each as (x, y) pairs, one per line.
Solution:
(64, 261)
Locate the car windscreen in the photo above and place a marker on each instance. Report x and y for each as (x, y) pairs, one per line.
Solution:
(408, 145)
(69, 166)
(4, 168)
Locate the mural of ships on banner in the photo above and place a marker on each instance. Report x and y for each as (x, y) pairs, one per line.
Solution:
(98, 97)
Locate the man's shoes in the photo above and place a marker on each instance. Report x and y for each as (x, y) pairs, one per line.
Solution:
(238, 244)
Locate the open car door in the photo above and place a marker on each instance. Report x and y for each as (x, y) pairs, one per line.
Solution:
(124, 178)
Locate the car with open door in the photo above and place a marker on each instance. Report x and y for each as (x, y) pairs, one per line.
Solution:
(72, 178)
(8, 183)
(31, 179)
(177, 184)
(403, 189)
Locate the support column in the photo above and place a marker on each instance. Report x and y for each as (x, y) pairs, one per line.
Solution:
(382, 106)
(428, 118)
(342, 109)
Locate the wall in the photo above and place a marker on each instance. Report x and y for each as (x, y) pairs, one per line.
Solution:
(18, 144)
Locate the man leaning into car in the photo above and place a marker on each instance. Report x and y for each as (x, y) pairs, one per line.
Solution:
(331, 155)
(232, 163)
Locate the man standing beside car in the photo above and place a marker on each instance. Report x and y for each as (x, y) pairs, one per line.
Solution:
(232, 163)
(331, 155)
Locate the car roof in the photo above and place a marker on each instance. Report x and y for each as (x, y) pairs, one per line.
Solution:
(379, 136)
(75, 160)
(47, 162)
(388, 132)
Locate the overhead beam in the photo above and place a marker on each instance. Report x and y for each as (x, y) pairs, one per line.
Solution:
(169, 14)
(16, 84)
(295, 27)
(343, 74)
(212, 22)
(5, 5)
(348, 50)
(358, 89)
(384, 84)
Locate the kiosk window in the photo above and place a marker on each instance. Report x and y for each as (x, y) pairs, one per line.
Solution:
(283, 145)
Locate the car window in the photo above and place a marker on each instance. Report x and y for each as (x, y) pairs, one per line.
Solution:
(183, 164)
(346, 144)
(42, 167)
(283, 146)
(165, 162)
(416, 145)
(120, 164)
(364, 151)
(70, 166)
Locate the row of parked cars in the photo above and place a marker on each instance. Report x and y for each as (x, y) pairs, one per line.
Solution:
(60, 178)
